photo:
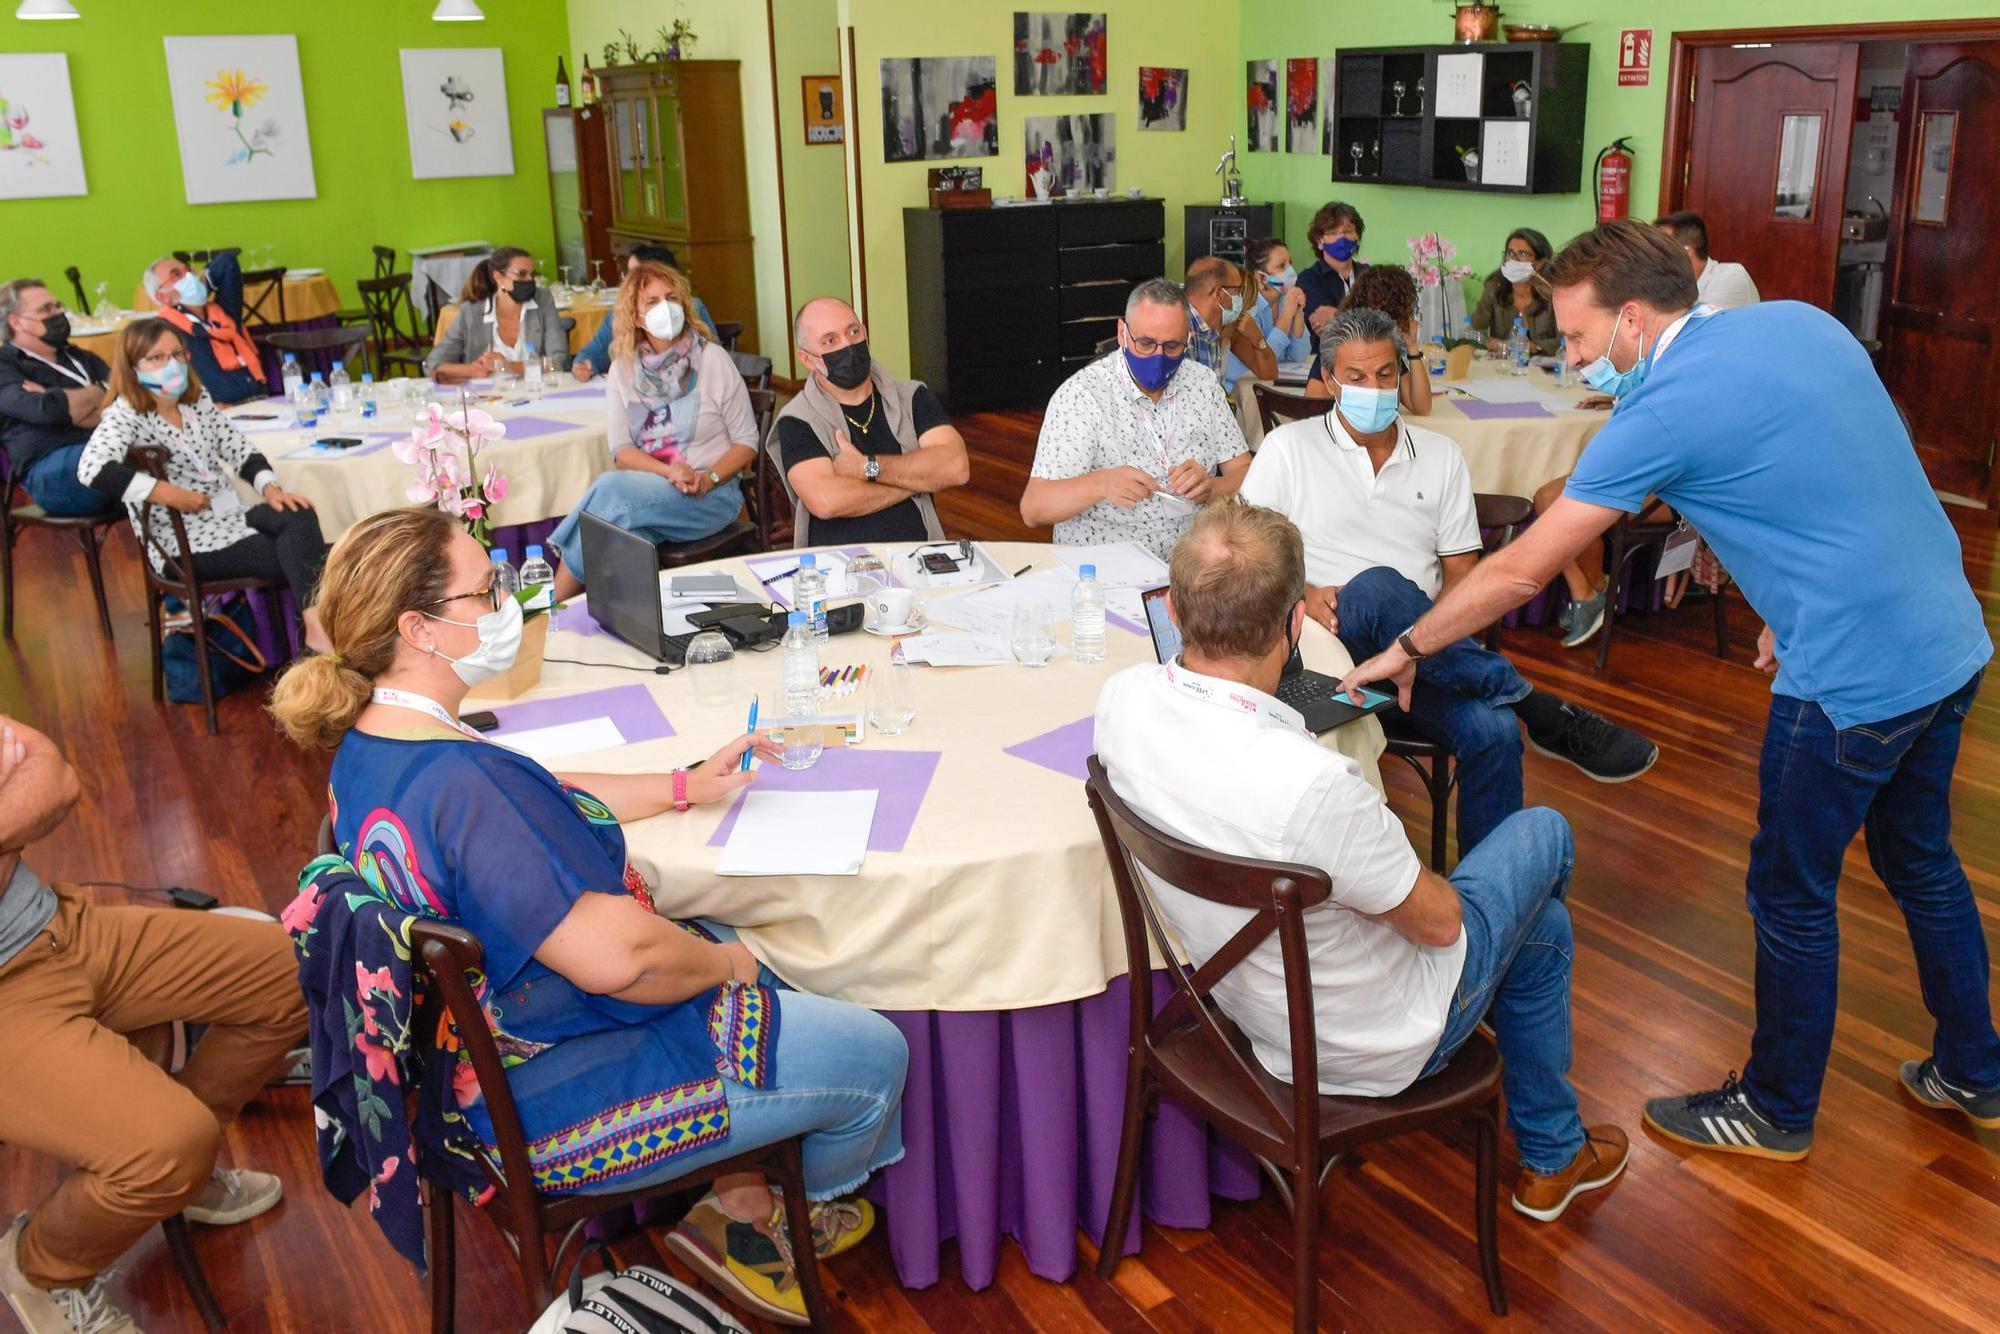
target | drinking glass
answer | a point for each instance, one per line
(1033, 638)
(597, 275)
(1398, 88)
(706, 661)
(800, 742)
(892, 698)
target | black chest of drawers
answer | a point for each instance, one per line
(1005, 303)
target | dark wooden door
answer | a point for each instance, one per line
(593, 168)
(1767, 166)
(1940, 327)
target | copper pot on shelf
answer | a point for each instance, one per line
(1477, 22)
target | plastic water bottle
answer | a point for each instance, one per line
(1562, 365)
(538, 574)
(305, 409)
(1465, 334)
(1086, 616)
(505, 577)
(801, 745)
(319, 396)
(531, 370)
(809, 595)
(294, 377)
(342, 389)
(371, 406)
(1517, 349)
(1435, 355)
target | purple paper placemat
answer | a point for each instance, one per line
(1113, 618)
(900, 778)
(527, 428)
(575, 617)
(1479, 410)
(596, 392)
(1063, 750)
(631, 709)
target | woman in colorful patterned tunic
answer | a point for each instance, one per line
(637, 1046)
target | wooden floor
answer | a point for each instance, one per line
(1893, 1223)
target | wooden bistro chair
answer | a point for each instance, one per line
(323, 347)
(1632, 534)
(1275, 407)
(1191, 1052)
(264, 302)
(727, 332)
(756, 370)
(392, 317)
(385, 260)
(769, 509)
(178, 579)
(88, 531)
(527, 1218)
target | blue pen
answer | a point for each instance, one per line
(751, 728)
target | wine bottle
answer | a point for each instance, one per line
(562, 83)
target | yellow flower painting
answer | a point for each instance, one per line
(233, 91)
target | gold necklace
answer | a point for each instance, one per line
(874, 402)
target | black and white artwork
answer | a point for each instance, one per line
(939, 107)
(1058, 53)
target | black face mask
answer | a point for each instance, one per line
(523, 291)
(55, 329)
(847, 367)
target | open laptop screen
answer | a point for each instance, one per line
(624, 584)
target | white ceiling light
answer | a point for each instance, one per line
(46, 9)
(457, 11)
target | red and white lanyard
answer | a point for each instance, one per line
(1236, 698)
(403, 699)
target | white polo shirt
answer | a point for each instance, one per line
(1230, 768)
(1725, 285)
(1416, 510)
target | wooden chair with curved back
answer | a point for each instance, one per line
(263, 302)
(88, 531)
(1192, 1052)
(1275, 407)
(392, 317)
(1631, 535)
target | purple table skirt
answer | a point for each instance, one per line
(1011, 1122)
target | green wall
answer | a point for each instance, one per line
(816, 243)
(1197, 35)
(1478, 224)
(136, 207)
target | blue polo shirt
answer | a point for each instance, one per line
(1768, 429)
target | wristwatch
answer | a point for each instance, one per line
(713, 478)
(872, 469)
(1409, 646)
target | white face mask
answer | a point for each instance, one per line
(499, 643)
(1517, 270)
(665, 320)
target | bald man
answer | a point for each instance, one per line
(862, 453)
(1223, 334)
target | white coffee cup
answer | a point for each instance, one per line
(890, 607)
(1102, 192)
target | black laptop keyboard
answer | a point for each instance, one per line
(1302, 689)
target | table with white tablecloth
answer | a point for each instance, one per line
(989, 933)
(588, 310)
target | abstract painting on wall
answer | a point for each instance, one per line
(1302, 106)
(1261, 96)
(1058, 53)
(1327, 123)
(40, 154)
(1073, 155)
(455, 107)
(240, 112)
(1162, 98)
(939, 106)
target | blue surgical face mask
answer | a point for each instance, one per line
(171, 379)
(1151, 373)
(1367, 410)
(1605, 378)
(1341, 249)
(1234, 310)
(192, 289)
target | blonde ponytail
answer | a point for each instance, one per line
(387, 564)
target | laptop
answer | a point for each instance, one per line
(625, 590)
(1316, 696)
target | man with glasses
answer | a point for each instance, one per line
(1220, 336)
(208, 310)
(50, 398)
(1133, 444)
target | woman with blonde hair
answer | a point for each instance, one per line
(608, 1006)
(679, 423)
(156, 399)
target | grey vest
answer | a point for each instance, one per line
(816, 408)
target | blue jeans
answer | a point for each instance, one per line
(51, 481)
(1517, 959)
(840, 1086)
(1816, 786)
(649, 505)
(1461, 697)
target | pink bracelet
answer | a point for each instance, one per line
(680, 789)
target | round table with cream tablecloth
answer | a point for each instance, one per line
(991, 937)
(588, 311)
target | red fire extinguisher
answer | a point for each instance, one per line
(1613, 174)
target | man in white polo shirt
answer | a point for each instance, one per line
(1389, 522)
(1135, 442)
(1405, 963)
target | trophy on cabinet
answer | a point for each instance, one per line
(1232, 180)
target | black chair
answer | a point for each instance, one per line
(75, 276)
(1277, 406)
(727, 332)
(1632, 534)
(194, 257)
(263, 302)
(392, 320)
(385, 260)
(766, 495)
(88, 531)
(1194, 1054)
(1500, 519)
(738, 539)
(526, 1218)
(164, 532)
(756, 370)
(344, 343)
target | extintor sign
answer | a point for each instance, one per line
(1635, 57)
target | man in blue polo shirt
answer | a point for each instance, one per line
(1767, 429)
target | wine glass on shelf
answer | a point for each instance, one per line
(1420, 97)
(1378, 157)
(1354, 151)
(568, 286)
(1398, 88)
(104, 310)
(597, 276)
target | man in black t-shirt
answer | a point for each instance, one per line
(862, 452)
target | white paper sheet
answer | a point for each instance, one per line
(1503, 156)
(1126, 602)
(251, 424)
(982, 569)
(1457, 93)
(1119, 564)
(799, 833)
(831, 563)
(944, 649)
(1522, 390)
(989, 611)
(543, 744)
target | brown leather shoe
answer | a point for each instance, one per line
(1596, 1164)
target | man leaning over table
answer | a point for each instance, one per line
(50, 398)
(1798, 472)
(1135, 442)
(1405, 963)
(595, 359)
(208, 310)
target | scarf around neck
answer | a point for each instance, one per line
(666, 399)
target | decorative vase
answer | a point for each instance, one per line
(526, 673)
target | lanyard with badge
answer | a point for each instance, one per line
(1162, 442)
(1253, 704)
(63, 368)
(404, 699)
